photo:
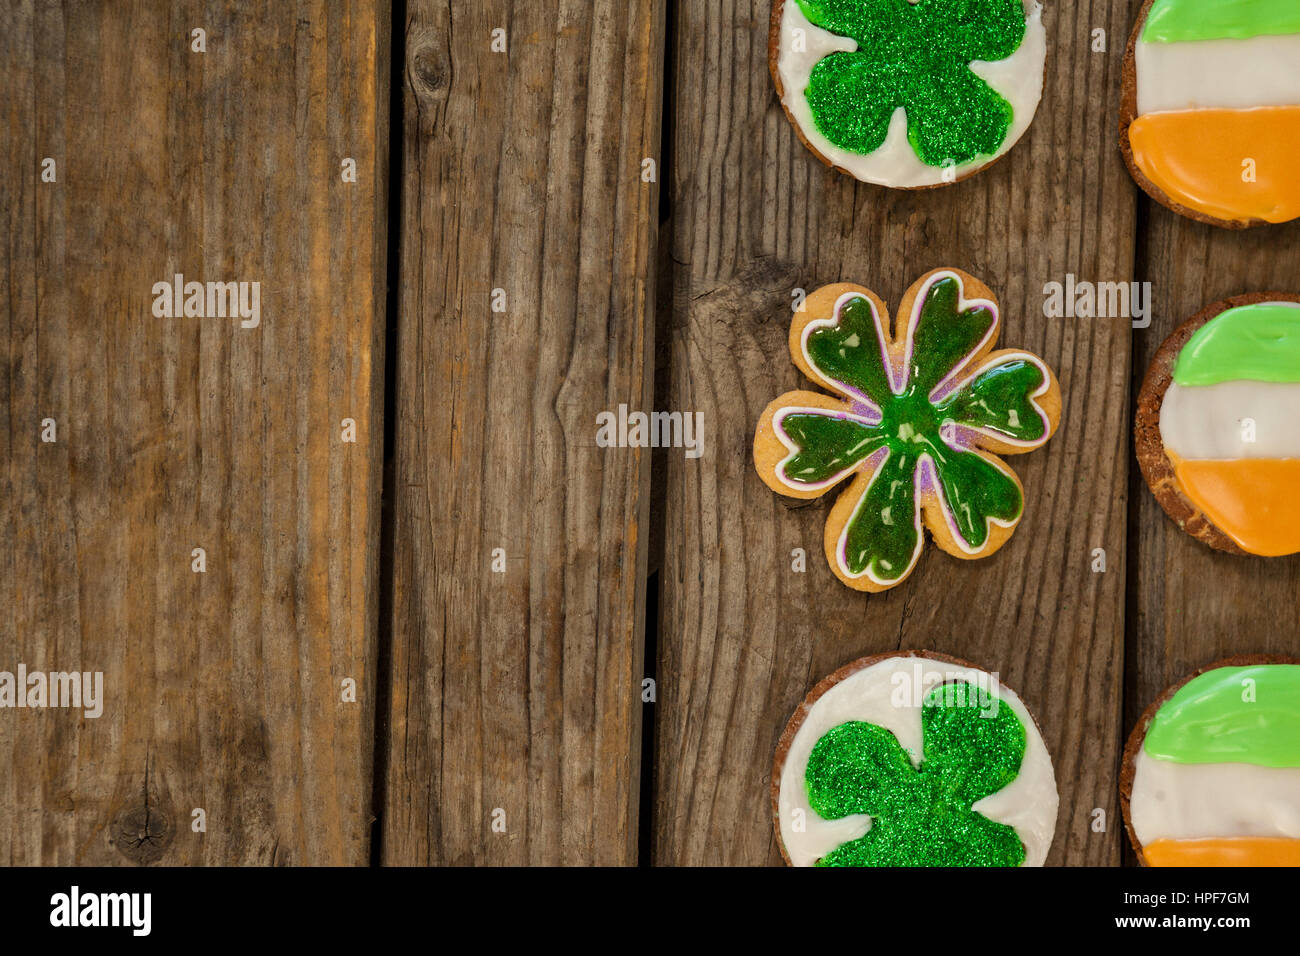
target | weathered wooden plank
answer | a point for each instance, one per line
(222, 689)
(744, 637)
(1191, 605)
(516, 691)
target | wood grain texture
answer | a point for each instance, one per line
(1191, 605)
(519, 691)
(222, 689)
(743, 637)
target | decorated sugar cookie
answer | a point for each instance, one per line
(1218, 425)
(908, 94)
(913, 759)
(1210, 116)
(914, 428)
(1211, 773)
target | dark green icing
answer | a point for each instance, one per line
(975, 491)
(881, 535)
(945, 335)
(972, 747)
(999, 400)
(850, 352)
(827, 445)
(916, 56)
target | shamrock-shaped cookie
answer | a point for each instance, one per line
(916, 426)
(908, 93)
(922, 816)
(913, 758)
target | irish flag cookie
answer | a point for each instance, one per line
(1210, 118)
(914, 429)
(1218, 425)
(1211, 773)
(913, 759)
(908, 93)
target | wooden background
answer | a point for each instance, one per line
(495, 585)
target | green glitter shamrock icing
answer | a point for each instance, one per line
(922, 414)
(921, 816)
(917, 56)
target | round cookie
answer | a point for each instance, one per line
(1211, 772)
(915, 428)
(1218, 425)
(913, 758)
(1210, 108)
(861, 82)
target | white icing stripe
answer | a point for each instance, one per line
(1218, 74)
(1180, 801)
(888, 694)
(1232, 420)
(1018, 78)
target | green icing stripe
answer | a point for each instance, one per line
(1182, 21)
(1256, 342)
(1232, 715)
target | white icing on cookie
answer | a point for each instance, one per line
(1180, 801)
(1018, 78)
(889, 694)
(1220, 421)
(1218, 74)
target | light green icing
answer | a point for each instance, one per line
(1260, 343)
(1182, 21)
(1231, 715)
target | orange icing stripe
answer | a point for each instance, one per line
(1224, 851)
(1255, 501)
(1196, 156)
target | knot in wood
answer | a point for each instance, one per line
(428, 70)
(143, 832)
